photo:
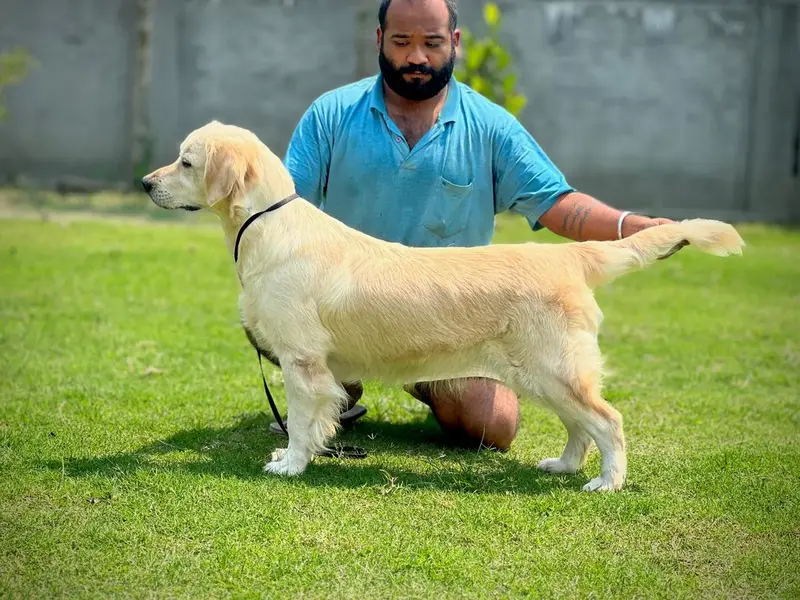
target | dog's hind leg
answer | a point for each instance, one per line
(573, 391)
(587, 416)
(314, 400)
(575, 452)
(604, 423)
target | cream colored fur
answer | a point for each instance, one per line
(336, 305)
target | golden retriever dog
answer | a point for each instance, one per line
(332, 304)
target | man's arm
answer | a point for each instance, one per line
(580, 217)
(528, 182)
(308, 156)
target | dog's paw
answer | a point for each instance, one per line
(278, 454)
(282, 467)
(555, 465)
(283, 464)
(603, 484)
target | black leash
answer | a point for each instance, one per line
(274, 408)
(339, 451)
(253, 217)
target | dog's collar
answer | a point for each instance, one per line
(253, 217)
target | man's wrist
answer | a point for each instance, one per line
(621, 221)
(634, 223)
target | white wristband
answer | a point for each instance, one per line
(619, 223)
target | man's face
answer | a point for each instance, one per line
(417, 51)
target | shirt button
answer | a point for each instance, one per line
(398, 139)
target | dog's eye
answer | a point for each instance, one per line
(186, 163)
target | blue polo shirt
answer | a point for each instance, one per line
(349, 158)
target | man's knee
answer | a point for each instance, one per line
(474, 411)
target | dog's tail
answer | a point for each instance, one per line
(605, 261)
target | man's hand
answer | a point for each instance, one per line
(580, 217)
(634, 223)
(639, 223)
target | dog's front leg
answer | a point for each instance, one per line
(314, 400)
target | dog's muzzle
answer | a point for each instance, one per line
(152, 191)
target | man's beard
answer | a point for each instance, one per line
(416, 89)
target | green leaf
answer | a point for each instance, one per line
(14, 67)
(478, 84)
(509, 81)
(476, 56)
(503, 58)
(514, 104)
(491, 14)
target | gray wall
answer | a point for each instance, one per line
(680, 108)
(71, 114)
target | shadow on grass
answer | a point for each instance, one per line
(426, 459)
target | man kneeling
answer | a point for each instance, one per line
(413, 156)
(473, 412)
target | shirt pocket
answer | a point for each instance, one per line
(448, 213)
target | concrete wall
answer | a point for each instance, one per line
(71, 114)
(679, 108)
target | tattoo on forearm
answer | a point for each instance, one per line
(572, 220)
(586, 213)
(567, 215)
(575, 217)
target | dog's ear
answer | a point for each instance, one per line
(229, 171)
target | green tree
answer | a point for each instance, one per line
(14, 66)
(486, 65)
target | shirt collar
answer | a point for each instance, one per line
(450, 109)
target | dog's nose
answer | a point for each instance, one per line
(147, 185)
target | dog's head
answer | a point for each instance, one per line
(217, 165)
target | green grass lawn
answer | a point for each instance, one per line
(133, 429)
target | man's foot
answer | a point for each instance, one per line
(349, 416)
